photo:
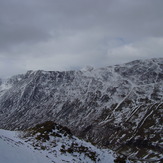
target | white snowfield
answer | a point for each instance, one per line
(16, 150)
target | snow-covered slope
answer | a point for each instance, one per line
(15, 150)
(118, 107)
(6, 84)
(48, 143)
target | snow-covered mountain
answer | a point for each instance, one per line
(48, 143)
(118, 107)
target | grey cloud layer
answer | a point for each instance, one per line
(61, 34)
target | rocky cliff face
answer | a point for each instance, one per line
(119, 107)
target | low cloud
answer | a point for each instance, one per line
(61, 35)
(147, 48)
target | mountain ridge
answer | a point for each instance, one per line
(113, 107)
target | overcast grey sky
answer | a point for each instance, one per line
(71, 34)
